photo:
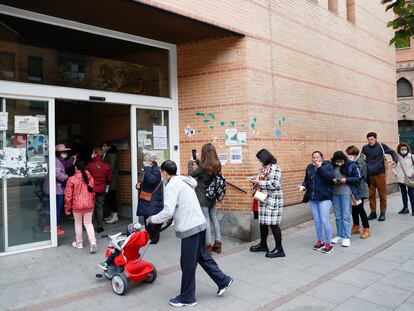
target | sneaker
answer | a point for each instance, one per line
(77, 245)
(60, 231)
(404, 211)
(221, 291)
(346, 242)
(176, 303)
(94, 248)
(327, 249)
(382, 217)
(319, 246)
(113, 219)
(372, 216)
(336, 240)
(103, 265)
(109, 217)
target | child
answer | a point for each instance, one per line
(132, 228)
(80, 197)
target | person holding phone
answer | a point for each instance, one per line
(318, 184)
(346, 189)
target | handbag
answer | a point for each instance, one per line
(305, 197)
(146, 196)
(260, 196)
(408, 181)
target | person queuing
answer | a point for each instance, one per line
(80, 198)
(358, 210)
(102, 176)
(375, 152)
(181, 204)
(318, 187)
(151, 204)
(346, 184)
(404, 170)
(270, 209)
(110, 157)
(208, 167)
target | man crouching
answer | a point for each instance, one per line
(181, 204)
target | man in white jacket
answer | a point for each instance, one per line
(181, 204)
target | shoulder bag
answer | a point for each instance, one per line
(146, 196)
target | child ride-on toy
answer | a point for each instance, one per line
(128, 266)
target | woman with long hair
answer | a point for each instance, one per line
(318, 187)
(346, 184)
(271, 208)
(80, 198)
(208, 167)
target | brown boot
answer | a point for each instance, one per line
(209, 248)
(355, 230)
(366, 233)
(217, 247)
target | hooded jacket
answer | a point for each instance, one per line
(77, 196)
(181, 204)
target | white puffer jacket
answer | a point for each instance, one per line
(408, 164)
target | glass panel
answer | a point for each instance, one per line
(24, 168)
(36, 52)
(152, 135)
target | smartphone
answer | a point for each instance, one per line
(338, 180)
(194, 154)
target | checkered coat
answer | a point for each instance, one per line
(270, 211)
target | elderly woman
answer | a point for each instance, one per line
(150, 195)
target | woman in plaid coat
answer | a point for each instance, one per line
(271, 209)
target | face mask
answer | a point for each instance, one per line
(340, 163)
(145, 163)
(352, 158)
(64, 155)
(403, 152)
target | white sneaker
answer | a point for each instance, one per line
(77, 245)
(94, 248)
(109, 217)
(346, 242)
(113, 219)
(336, 240)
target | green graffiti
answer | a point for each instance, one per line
(212, 115)
(233, 123)
(222, 123)
(211, 126)
(252, 126)
(206, 120)
(254, 120)
(200, 114)
(242, 124)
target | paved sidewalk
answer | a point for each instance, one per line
(374, 274)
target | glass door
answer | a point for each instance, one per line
(150, 133)
(25, 214)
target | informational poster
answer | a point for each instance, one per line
(147, 142)
(223, 158)
(159, 131)
(36, 145)
(242, 138)
(13, 162)
(142, 135)
(17, 141)
(236, 156)
(4, 120)
(160, 143)
(36, 169)
(231, 137)
(26, 125)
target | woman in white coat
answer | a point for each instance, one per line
(405, 168)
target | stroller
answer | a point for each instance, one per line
(128, 266)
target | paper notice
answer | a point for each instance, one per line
(223, 158)
(159, 131)
(231, 137)
(4, 120)
(26, 125)
(236, 155)
(160, 143)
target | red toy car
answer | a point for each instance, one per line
(128, 265)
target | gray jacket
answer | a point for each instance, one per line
(362, 166)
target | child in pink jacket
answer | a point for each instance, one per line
(80, 197)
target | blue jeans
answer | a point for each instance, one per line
(404, 191)
(210, 213)
(321, 212)
(60, 200)
(343, 210)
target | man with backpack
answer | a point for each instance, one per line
(375, 152)
(181, 204)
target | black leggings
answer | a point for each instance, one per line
(358, 211)
(277, 234)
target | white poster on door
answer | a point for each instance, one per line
(159, 131)
(160, 143)
(4, 120)
(26, 125)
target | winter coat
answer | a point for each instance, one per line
(61, 176)
(363, 186)
(270, 211)
(407, 163)
(318, 181)
(353, 179)
(77, 196)
(101, 174)
(111, 158)
(182, 205)
(375, 158)
(152, 179)
(203, 181)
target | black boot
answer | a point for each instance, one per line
(372, 216)
(404, 211)
(277, 252)
(259, 248)
(382, 217)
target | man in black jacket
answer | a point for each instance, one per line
(375, 154)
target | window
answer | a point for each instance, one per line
(333, 6)
(34, 69)
(404, 88)
(350, 11)
(7, 66)
(403, 45)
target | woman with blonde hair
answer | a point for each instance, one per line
(208, 167)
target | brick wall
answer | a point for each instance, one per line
(309, 77)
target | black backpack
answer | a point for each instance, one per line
(217, 188)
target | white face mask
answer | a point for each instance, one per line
(64, 155)
(352, 158)
(145, 163)
(403, 152)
